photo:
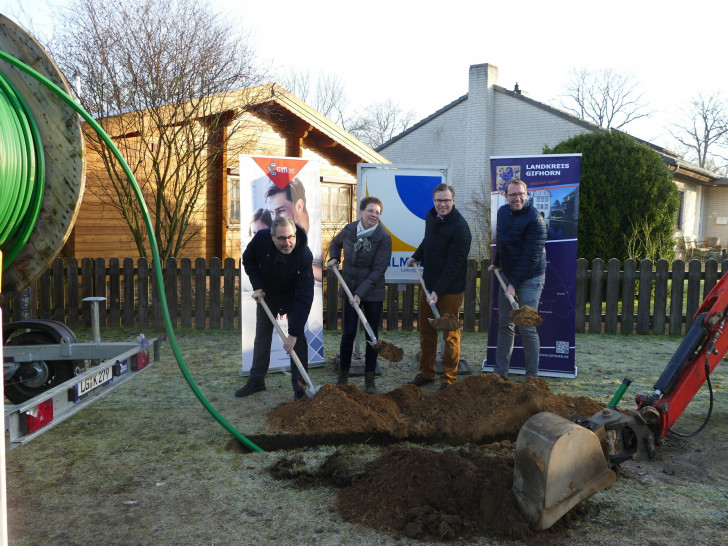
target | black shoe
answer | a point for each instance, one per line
(420, 381)
(298, 395)
(443, 386)
(250, 388)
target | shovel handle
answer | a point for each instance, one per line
(282, 335)
(359, 312)
(427, 293)
(505, 288)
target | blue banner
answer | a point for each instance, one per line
(553, 189)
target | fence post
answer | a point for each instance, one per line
(129, 300)
(694, 278)
(170, 289)
(228, 307)
(392, 307)
(186, 292)
(200, 293)
(87, 290)
(100, 287)
(408, 307)
(470, 298)
(659, 313)
(628, 280)
(595, 297)
(711, 276)
(612, 299)
(114, 293)
(143, 291)
(215, 292)
(676, 297)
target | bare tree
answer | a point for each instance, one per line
(328, 96)
(605, 97)
(161, 76)
(705, 128)
(380, 122)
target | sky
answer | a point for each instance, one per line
(418, 53)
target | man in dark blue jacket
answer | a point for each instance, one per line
(443, 253)
(278, 263)
(520, 253)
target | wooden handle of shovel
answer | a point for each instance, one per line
(505, 288)
(282, 335)
(427, 293)
(359, 312)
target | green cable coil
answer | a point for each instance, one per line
(21, 192)
(22, 171)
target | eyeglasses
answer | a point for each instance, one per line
(372, 212)
(514, 195)
(282, 239)
(442, 201)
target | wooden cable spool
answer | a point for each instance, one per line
(60, 129)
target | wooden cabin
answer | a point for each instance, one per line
(276, 123)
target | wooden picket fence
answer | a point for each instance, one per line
(616, 297)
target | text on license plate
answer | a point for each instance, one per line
(96, 380)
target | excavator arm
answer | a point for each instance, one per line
(561, 462)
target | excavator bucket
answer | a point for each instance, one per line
(558, 465)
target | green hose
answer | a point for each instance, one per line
(152, 241)
(22, 171)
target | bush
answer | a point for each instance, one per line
(627, 199)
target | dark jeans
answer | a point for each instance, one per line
(261, 352)
(373, 312)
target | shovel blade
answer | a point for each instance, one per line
(558, 465)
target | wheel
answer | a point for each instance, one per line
(32, 379)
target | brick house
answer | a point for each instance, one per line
(493, 121)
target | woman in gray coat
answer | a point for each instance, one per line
(367, 251)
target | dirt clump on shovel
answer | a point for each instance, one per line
(525, 316)
(446, 323)
(440, 493)
(388, 351)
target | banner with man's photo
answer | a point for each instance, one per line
(553, 189)
(272, 187)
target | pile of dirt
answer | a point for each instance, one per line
(419, 493)
(480, 409)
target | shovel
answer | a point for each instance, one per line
(521, 316)
(387, 350)
(310, 389)
(447, 323)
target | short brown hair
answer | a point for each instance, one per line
(368, 201)
(443, 187)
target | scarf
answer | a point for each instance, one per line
(363, 242)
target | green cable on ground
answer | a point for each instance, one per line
(22, 171)
(152, 242)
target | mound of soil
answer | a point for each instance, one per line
(423, 493)
(480, 409)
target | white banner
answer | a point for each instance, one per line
(281, 186)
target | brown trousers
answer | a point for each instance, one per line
(446, 304)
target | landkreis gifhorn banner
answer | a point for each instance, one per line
(553, 189)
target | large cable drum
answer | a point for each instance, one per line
(60, 131)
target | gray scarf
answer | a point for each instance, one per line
(363, 242)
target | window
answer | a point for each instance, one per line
(234, 199)
(335, 203)
(679, 219)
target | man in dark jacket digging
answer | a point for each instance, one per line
(444, 255)
(520, 253)
(278, 263)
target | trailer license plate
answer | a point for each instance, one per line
(96, 380)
